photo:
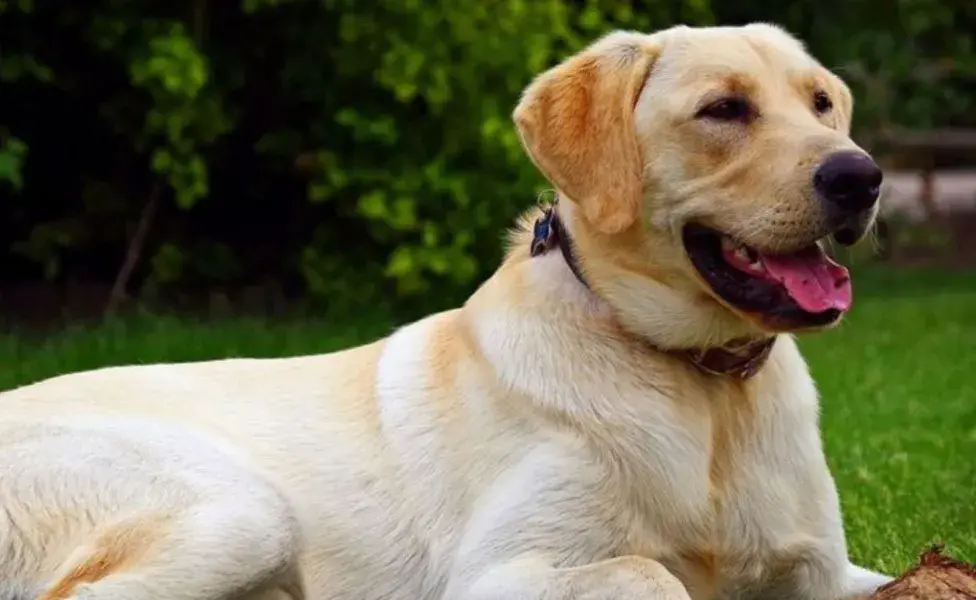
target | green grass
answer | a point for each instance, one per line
(898, 386)
(898, 381)
(29, 357)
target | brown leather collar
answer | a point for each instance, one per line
(740, 359)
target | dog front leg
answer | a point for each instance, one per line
(860, 583)
(624, 578)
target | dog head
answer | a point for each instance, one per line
(704, 167)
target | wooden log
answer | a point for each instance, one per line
(938, 140)
(935, 577)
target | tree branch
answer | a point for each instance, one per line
(133, 252)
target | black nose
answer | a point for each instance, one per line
(849, 181)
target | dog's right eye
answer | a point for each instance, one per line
(727, 109)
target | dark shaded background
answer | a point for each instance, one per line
(337, 155)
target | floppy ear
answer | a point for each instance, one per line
(576, 122)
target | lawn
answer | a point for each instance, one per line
(898, 381)
(898, 386)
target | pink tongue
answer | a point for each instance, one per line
(815, 282)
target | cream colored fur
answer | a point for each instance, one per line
(530, 445)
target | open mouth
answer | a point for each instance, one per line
(800, 289)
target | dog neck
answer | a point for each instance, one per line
(740, 358)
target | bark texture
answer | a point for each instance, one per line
(935, 577)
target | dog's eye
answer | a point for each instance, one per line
(822, 103)
(727, 109)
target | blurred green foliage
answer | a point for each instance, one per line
(344, 151)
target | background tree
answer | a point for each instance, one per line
(339, 152)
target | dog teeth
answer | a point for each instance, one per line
(728, 245)
(755, 262)
(743, 254)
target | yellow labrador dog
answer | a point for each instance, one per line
(619, 412)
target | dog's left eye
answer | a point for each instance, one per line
(822, 103)
(728, 109)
